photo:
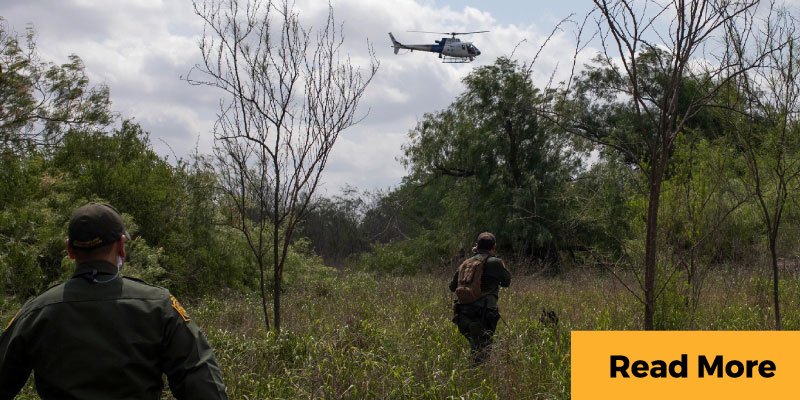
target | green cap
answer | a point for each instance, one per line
(94, 225)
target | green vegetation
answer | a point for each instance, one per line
(355, 335)
(573, 202)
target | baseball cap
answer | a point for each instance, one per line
(485, 241)
(94, 225)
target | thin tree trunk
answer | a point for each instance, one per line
(774, 255)
(276, 301)
(651, 244)
(264, 297)
(650, 257)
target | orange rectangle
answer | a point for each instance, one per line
(685, 364)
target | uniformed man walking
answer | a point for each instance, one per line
(478, 319)
(102, 336)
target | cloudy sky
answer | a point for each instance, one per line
(142, 48)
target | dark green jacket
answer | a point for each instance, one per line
(87, 340)
(494, 275)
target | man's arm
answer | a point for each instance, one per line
(505, 276)
(14, 365)
(189, 360)
(454, 282)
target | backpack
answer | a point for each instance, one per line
(469, 280)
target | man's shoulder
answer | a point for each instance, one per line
(53, 294)
(473, 257)
(138, 287)
(495, 261)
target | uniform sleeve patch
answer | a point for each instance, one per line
(179, 308)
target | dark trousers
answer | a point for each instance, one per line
(477, 323)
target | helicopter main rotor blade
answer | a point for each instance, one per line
(450, 33)
(441, 33)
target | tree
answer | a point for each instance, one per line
(767, 127)
(697, 201)
(122, 168)
(504, 164)
(40, 101)
(649, 53)
(333, 226)
(289, 96)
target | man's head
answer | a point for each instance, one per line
(486, 241)
(96, 232)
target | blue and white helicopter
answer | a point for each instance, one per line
(451, 50)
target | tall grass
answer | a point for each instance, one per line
(354, 335)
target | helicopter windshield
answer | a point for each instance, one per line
(473, 50)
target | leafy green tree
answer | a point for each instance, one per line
(123, 169)
(57, 152)
(406, 212)
(40, 101)
(503, 166)
(417, 227)
(600, 220)
(333, 226)
(647, 57)
(31, 223)
(699, 201)
(175, 207)
(171, 211)
(767, 127)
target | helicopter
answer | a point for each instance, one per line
(451, 50)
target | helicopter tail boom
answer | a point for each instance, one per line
(420, 47)
(395, 43)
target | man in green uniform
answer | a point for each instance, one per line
(477, 321)
(102, 336)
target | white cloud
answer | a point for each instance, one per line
(140, 49)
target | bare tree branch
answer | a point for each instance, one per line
(290, 93)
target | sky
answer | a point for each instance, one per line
(141, 49)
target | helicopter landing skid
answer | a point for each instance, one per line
(455, 60)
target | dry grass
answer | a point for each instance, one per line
(356, 335)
